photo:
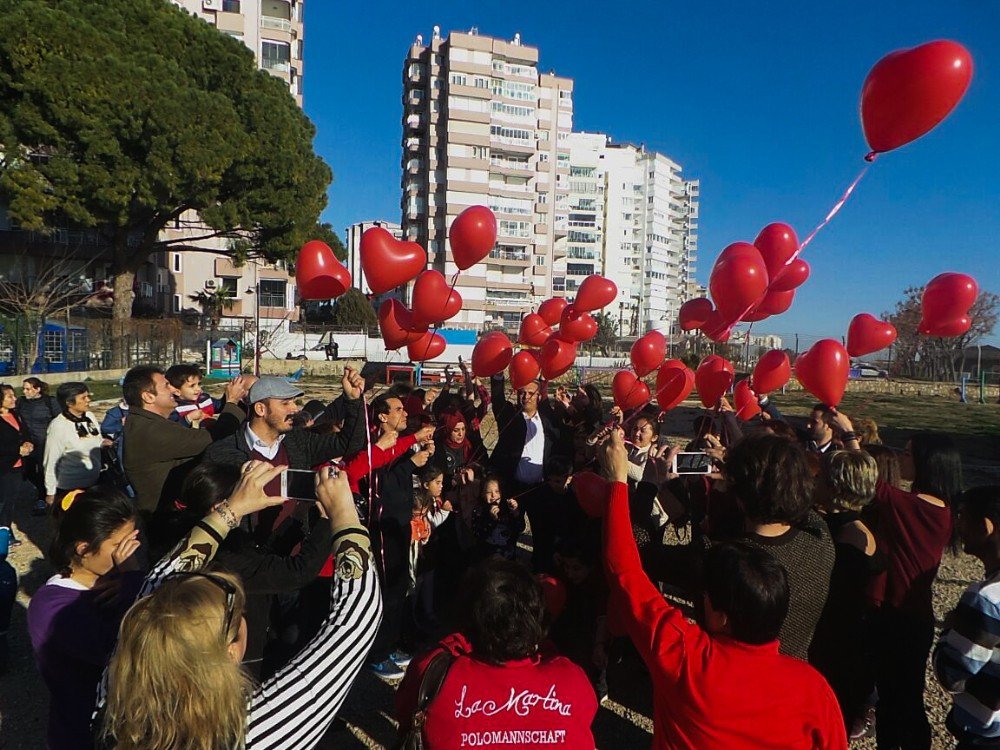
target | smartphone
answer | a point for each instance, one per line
(692, 463)
(299, 484)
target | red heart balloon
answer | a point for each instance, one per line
(947, 328)
(738, 280)
(777, 243)
(775, 302)
(556, 357)
(592, 492)
(713, 378)
(771, 372)
(755, 314)
(792, 277)
(434, 300)
(472, 236)
(694, 313)
(716, 328)
(523, 369)
(492, 353)
(629, 391)
(594, 293)
(867, 334)
(947, 298)
(576, 326)
(388, 262)
(647, 353)
(429, 346)
(397, 325)
(551, 310)
(674, 383)
(534, 331)
(318, 273)
(745, 401)
(823, 370)
(910, 91)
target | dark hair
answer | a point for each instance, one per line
(821, 407)
(750, 587)
(771, 478)
(574, 548)
(67, 392)
(781, 428)
(137, 381)
(7, 387)
(206, 485)
(559, 466)
(981, 502)
(398, 390)
(593, 412)
(888, 463)
(41, 385)
(505, 616)
(418, 392)
(177, 375)
(937, 465)
(381, 406)
(429, 473)
(94, 515)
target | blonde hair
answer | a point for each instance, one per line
(852, 476)
(172, 682)
(867, 431)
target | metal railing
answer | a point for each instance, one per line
(270, 22)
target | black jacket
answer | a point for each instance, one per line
(10, 443)
(513, 430)
(36, 413)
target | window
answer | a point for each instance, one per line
(177, 303)
(514, 228)
(272, 293)
(53, 344)
(230, 6)
(230, 287)
(275, 55)
(458, 79)
(481, 83)
(540, 260)
(177, 262)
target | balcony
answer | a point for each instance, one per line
(278, 24)
(507, 301)
(509, 257)
(276, 66)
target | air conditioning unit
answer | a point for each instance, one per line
(210, 283)
(211, 4)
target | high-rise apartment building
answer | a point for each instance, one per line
(353, 244)
(633, 219)
(482, 126)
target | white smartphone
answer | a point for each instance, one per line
(299, 484)
(692, 463)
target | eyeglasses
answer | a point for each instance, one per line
(86, 428)
(227, 588)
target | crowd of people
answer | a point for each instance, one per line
(776, 594)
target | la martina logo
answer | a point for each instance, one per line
(521, 703)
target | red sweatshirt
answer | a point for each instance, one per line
(712, 691)
(532, 703)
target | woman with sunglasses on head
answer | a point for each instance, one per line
(72, 444)
(175, 680)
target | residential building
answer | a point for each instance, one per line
(353, 240)
(633, 219)
(482, 126)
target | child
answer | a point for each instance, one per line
(496, 523)
(429, 512)
(194, 406)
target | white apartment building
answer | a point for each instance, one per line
(633, 219)
(482, 126)
(353, 242)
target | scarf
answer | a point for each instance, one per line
(449, 422)
(84, 425)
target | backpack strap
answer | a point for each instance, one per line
(430, 685)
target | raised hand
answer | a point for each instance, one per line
(249, 495)
(352, 383)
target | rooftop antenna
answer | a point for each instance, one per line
(420, 38)
(517, 38)
(437, 32)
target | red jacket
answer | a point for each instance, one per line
(544, 700)
(712, 691)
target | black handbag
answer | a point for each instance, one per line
(430, 686)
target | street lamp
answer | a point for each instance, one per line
(255, 291)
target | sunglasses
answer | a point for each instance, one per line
(227, 588)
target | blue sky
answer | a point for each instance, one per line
(757, 100)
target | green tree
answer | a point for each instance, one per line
(354, 310)
(324, 231)
(128, 115)
(607, 332)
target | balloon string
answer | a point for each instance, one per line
(451, 290)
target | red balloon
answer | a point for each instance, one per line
(867, 334)
(592, 492)
(713, 378)
(397, 325)
(429, 346)
(472, 236)
(523, 369)
(947, 328)
(433, 299)
(947, 299)
(771, 372)
(534, 331)
(594, 293)
(823, 370)
(647, 353)
(553, 594)
(745, 401)
(716, 328)
(738, 280)
(551, 310)
(910, 91)
(694, 313)
(556, 357)
(755, 314)
(792, 277)
(577, 326)
(775, 302)
(629, 391)
(318, 273)
(388, 262)
(674, 383)
(777, 243)
(492, 353)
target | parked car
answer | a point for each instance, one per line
(866, 370)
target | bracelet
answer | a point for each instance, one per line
(848, 436)
(227, 514)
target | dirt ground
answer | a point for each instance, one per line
(24, 701)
